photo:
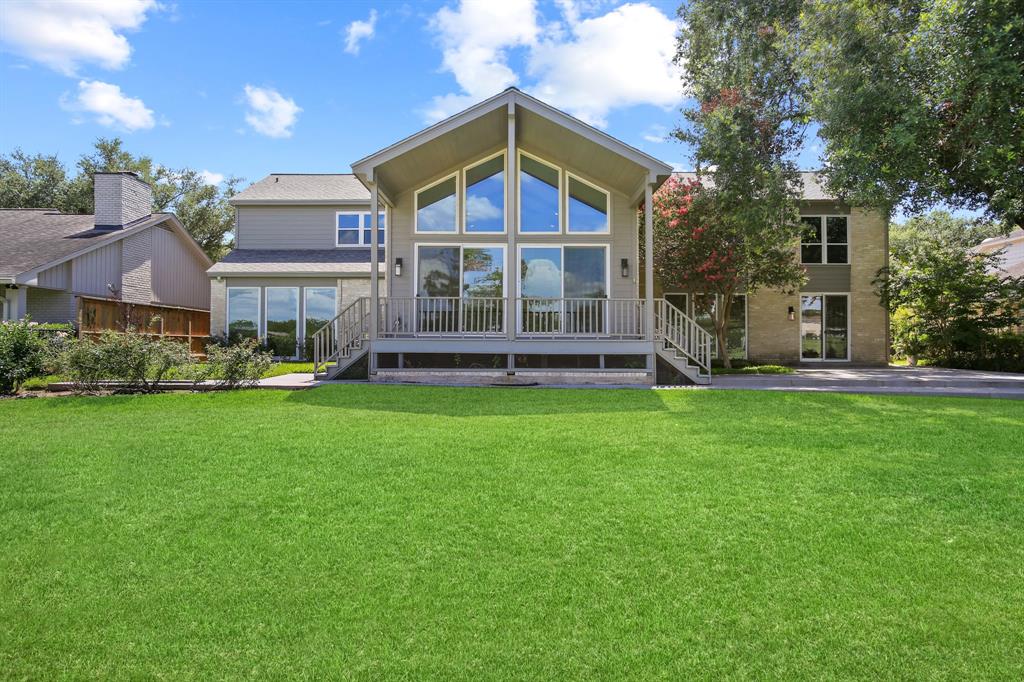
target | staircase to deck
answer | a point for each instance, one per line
(343, 341)
(681, 342)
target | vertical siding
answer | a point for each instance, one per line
(93, 271)
(45, 305)
(137, 266)
(57, 277)
(179, 277)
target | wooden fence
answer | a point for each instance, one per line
(187, 325)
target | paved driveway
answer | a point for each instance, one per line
(901, 380)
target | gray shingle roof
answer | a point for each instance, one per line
(814, 185)
(294, 261)
(286, 188)
(30, 238)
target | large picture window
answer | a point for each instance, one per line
(539, 196)
(355, 228)
(436, 206)
(243, 313)
(485, 196)
(824, 240)
(563, 289)
(282, 321)
(320, 307)
(824, 327)
(588, 207)
(460, 289)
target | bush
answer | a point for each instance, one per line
(236, 365)
(23, 354)
(137, 362)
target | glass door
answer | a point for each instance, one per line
(824, 327)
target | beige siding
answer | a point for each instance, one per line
(289, 227)
(137, 268)
(179, 277)
(827, 278)
(57, 277)
(92, 272)
(46, 305)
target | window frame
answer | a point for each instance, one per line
(416, 205)
(800, 323)
(824, 243)
(520, 153)
(259, 309)
(368, 213)
(465, 197)
(568, 217)
(461, 246)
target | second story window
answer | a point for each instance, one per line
(355, 228)
(824, 240)
(588, 207)
(539, 196)
(435, 206)
(485, 196)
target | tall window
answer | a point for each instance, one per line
(588, 207)
(460, 288)
(824, 327)
(243, 313)
(485, 196)
(282, 320)
(436, 206)
(577, 273)
(539, 196)
(355, 228)
(824, 240)
(320, 308)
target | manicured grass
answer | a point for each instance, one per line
(276, 369)
(415, 532)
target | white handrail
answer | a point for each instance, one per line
(681, 332)
(342, 335)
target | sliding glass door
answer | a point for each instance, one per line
(563, 289)
(824, 327)
(460, 289)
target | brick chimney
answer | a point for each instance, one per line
(121, 198)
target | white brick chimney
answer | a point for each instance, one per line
(120, 199)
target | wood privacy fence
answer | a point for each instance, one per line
(187, 325)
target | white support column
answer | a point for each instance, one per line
(649, 259)
(374, 265)
(512, 261)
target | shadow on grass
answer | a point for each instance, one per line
(480, 401)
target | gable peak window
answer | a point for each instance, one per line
(436, 206)
(485, 196)
(540, 191)
(587, 207)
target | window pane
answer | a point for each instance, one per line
(282, 320)
(435, 208)
(243, 313)
(485, 196)
(837, 254)
(320, 308)
(812, 229)
(588, 208)
(836, 229)
(538, 196)
(585, 274)
(810, 327)
(679, 301)
(736, 331)
(482, 272)
(810, 253)
(348, 236)
(348, 221)
(541, 272)
(837, 334)
(438, 271)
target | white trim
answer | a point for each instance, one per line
(461, 246)
(368, 213)
(608, 206)
(519, 194)
(849, 326)
(298, 306)
(416, 205)
(824, 243)
(227, 309)
(465, 195)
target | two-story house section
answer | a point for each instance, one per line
(509, 251)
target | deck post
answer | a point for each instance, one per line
(648, 262)
(374, 263)
(512, 265)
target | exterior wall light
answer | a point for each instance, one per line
(625, 267)
(398, 267)
(792, 313)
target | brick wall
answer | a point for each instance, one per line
(120, 198)
(869, 326)
(48, 305)
(137, 268)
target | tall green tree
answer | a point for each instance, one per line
(746, 125)
(919, 101)
(40, 181)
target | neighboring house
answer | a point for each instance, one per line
(534, 279)
(1012, 248)
(48, 260)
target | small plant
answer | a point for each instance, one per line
(136, 362)
(234, 366)
(23, 354)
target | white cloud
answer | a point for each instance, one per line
(270, 113)
(211, 178)
(656, 134)
(587, 66)
(358, 31)
(475, 39)
(110, 106)
(65, 34)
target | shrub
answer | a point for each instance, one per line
(23, 354)
(137, 362)
(236, 365)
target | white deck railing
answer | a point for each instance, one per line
(448, 316)
(612, 318)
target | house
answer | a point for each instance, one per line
(503, 244)
(50, 260)
(1011, 247)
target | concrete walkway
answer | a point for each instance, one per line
(894, 380)
(290, 382)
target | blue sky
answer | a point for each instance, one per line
(249, 89)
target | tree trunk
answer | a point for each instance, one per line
(722, 313)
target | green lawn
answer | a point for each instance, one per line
(415, 532)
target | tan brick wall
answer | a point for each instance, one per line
(869, 326)
(771, 336)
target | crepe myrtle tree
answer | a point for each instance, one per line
(698, 250)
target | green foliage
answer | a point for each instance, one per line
(741, 227)
(919, 102)
(754, 369)
(137, 363)
(236, 365)
(946, 302)
(41, 181)
(23, 354)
